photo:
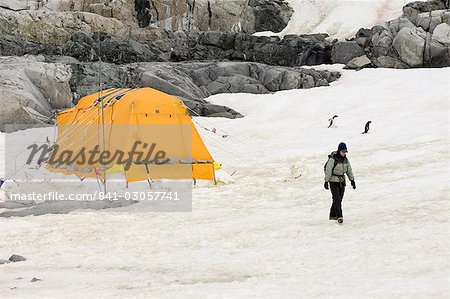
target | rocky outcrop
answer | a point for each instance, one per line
(345, 51)
(415, 40)
(414, 43)
(55, 28)
(247, 16)
(14, 46)
(203, 15)
(292, 50)
(33, 88)
(109, 48)
(195, 81)
(30, 90)
(148, 43)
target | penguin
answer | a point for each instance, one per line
(366, 129)
(331, 120)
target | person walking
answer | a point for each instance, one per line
(335, 169)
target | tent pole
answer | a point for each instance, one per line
(148, 176)
(104, 146)
(103, 109)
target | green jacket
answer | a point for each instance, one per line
(342, 167)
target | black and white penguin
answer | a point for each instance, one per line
(331, 120)
(366, 129)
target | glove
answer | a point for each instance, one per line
(353, 184)
(326, 185)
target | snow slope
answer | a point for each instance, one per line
(268, 234)
(339, 18)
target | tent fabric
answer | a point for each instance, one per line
(141, 116)
(203, 171)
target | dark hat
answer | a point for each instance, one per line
(342, 147)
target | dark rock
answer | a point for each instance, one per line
(411, 10)
(169, 33)
(271, 15)
(418, 41)
(379, 42)
(437, 51)
(292, 50)
(235, 84)
(219, 111)
(16, 258)
(195, 108)
(315, 54)
(389, 62)
(111, 48)
(180, 34)
(34, 279)
(143, 8)
(11, 46)
(195, 81)
(4, 262)
(228, 42)
(343, 52)
(117, 49)
(81, 46)
(396, 25)
(14, 46)
(316, 37)
(361, 41)
(88, 77)
(39, 49)
(212, 38)
(364, 32)
(170, 80)
(359, 62)
(283, 55)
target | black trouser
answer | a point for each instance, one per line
(337, 191)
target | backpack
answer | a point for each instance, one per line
(325, 165)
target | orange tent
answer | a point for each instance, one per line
(142, 132)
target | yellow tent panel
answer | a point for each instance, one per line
(142, 132)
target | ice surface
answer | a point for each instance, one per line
(267, 235)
